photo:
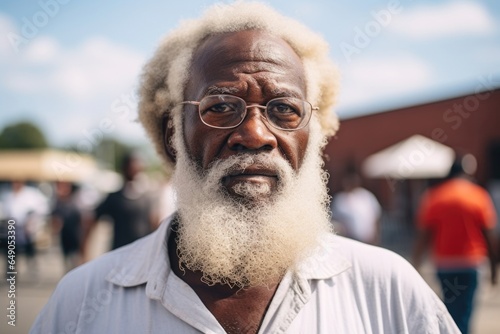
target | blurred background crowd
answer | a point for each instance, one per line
(54, 205)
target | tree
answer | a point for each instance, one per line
(110, 152)
(22, 136)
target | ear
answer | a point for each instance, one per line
(168, 135)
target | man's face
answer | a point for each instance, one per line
(133, 167)
(256, 67)
(264, 227)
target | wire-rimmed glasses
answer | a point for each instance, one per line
(228, 111)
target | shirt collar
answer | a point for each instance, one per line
(147, 262)
(144, 258)
(325, 262)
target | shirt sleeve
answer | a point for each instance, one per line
(103, 208)
(422, 309)
(487, 212)
(61, 313)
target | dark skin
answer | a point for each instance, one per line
(237, 310)
(256, 67)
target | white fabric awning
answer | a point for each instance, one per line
(416, 157)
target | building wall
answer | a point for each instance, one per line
(468, 124)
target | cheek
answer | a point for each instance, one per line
(294, 145)
(191, 133)
(203, 144)
(302, 143)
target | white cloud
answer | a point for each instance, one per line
(96, 66)
(370, 81)
(93, 69)
(436, 21)
(77, 84)
(42, 50)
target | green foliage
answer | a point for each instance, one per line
(111, 152)
(22, 136)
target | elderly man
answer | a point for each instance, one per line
(239, 105)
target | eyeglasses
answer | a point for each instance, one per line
(228, 111)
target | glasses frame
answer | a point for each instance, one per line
(253, 105)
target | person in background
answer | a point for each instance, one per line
(28, 207)
(456, 219)
(239, 104)
(356, 210)
(67, 221)
(130, 208)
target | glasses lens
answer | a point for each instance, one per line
(288, 112)
(223, 111)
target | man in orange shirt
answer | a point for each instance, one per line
(456, 218)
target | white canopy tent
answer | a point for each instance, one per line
(416, 157)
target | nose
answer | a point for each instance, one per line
(252, 134)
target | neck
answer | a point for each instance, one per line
(238, 310)
(194, 278)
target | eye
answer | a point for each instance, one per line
(283, 108)
(286, 107)
(220, 108)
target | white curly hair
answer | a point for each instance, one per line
(165, 76)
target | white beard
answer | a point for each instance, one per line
(234, 243)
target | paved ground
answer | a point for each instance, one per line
(32, 293)
(486, 318)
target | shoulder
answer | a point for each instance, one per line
(342, 257)
(90, 278)
(372, 261)
(80, 295)
(389, 287)
(114, 284)
(114, 195)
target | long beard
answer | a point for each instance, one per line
(234, 243)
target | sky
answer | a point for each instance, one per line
(72, 66)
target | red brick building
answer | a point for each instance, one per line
(468, 124)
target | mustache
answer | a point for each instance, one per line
(242, 162)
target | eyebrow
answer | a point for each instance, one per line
(279, 92)
(212, 90)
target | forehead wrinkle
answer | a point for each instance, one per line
(269, 89)
(254, 63)
(259, 57)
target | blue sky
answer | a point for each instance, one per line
(69, 64)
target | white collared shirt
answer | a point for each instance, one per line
(346, 287)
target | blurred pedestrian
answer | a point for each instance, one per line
(356, 210)
(27, 206)
(130, 208)
(456, 219)
(67, 222)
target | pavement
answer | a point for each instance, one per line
(34, 289)
(486, 317)
(35, 286)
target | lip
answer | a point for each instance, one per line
(252, 174)
(254, 178)
(253, 171)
